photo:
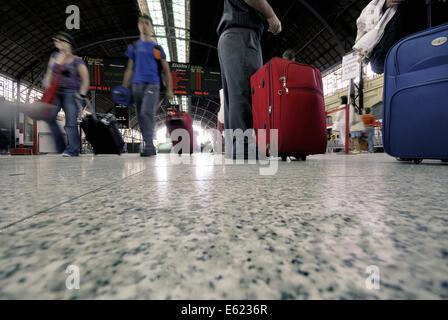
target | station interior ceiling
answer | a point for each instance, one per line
(320, 32)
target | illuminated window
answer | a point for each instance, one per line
(202, 135)
(181, 25)
(156, 13)
(8, 90)
(34, 94)
(183, 102)
(332, 81)
(179, 22)
(369, 74)
(161, 135)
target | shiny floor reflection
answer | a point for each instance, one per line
(154, 228)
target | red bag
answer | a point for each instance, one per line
(44, 109)
(180, 120)
(50, 93)
(288, 96)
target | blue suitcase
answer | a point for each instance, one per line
(415, 97)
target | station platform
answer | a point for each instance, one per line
(148, 228)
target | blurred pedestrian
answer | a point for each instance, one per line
(73, 85)
(369, 123)
(146, 65)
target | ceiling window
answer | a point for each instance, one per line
(180, 25)
(332, 81)
(156, 13)
(179, 22)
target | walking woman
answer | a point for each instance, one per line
(73, 84)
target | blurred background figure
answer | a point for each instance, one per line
(356, 130)
(339, 123)
(369, 123)
(73, 85)
(146, 66)
(289, 55)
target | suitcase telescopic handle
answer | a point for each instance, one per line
(88, 106)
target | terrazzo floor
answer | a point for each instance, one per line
(151, 228)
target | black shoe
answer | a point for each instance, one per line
(148, 153)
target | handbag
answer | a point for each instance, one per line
(44, 109)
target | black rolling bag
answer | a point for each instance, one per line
(102, 133)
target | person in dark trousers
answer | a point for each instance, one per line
(240, 56)
(143, 71)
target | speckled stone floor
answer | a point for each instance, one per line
(148, 228)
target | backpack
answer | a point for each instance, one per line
(158, 57)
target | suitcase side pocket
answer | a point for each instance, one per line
(417, 120)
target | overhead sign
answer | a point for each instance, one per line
(192, 80)
(351, 66)
(180, 73)
(195, 80)
(105, 73)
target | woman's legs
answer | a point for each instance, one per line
(71, 110)
(356, 135)
(370, 134)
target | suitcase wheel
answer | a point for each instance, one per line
(415, 160)
(284, 157)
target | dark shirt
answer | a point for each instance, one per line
(238, 14)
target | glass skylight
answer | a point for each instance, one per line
(181, 23)
(156, 13)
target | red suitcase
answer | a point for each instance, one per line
(180, 120)
(288, 96)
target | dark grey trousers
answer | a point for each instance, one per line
(240, 57)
